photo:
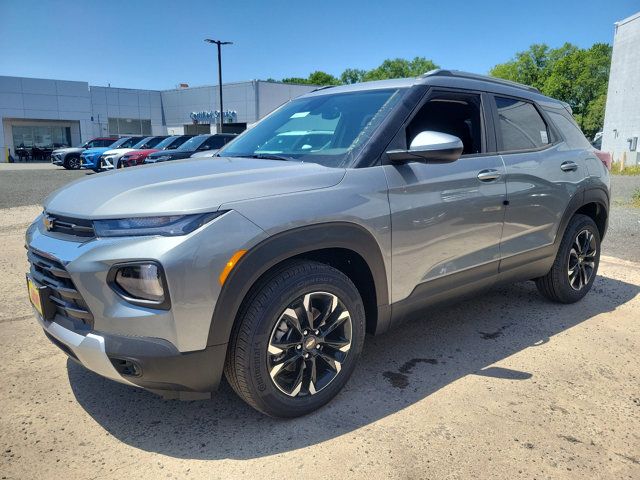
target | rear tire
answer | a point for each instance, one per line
(576, 265)
(283, 362)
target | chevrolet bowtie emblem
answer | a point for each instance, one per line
(48, 222)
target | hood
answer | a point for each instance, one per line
(205, 154)
(188, 186)
(95, 151)
(144, 151)
(171, 154)
(118, 151)
(68, 150)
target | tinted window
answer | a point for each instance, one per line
(215, 142)
(569, 129)
(193, 143)
(452, 113)
(521, 126)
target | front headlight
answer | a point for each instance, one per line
(168, 226)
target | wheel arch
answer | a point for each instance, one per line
(593, 202)
(348, 247)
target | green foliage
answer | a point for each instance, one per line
(298, 80)
(322, 78)
(400, 68)
(571, 74)
(616, 169)
(352, 75)
(390, 68)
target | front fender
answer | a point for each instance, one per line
(289, 244)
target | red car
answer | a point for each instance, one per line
(137, 157)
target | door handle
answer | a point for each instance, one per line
(569, 166)
(488, 175)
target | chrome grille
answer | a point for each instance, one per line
(76, 227)
(46, 270)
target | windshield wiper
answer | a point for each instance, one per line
(270, 156)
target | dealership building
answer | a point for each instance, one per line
(622, 115)
(36, 112)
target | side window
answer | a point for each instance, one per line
(215, 142)
(569, 129)
(452, 113)
(520, 125)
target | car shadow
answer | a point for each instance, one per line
(396, 370)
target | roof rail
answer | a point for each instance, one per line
(439, 72)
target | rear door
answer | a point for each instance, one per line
(542, 176)
(447, 218)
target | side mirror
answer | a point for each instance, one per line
(430, 147)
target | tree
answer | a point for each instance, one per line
(352, 75)
(322, 78)
(390, 68)
(299, 80)
(400, 68)
(571, 74)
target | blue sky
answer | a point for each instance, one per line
(158, 44)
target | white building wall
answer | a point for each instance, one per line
(272, 94)
(43, 100)
(86, 109)
(622, 114)
(109, 102)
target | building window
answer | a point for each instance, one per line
(129, 126)
(40, 136)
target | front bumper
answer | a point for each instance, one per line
(89, 162)
(191, 264)
(150, 363)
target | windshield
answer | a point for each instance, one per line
(143, 142)
(193, 143)
(121, 142)
(165, 143)
(326, 129)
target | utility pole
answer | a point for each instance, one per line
(219, 44)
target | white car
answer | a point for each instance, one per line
(111, 158)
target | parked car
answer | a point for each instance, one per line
(90, 158)
(69, 158)
(137, 157)
(199, 143)
(297, 141)
(270, 267)
(111, 158)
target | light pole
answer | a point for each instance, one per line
(219, 44)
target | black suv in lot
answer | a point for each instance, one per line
(199, 143)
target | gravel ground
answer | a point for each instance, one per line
(506, 386)
(29, 183)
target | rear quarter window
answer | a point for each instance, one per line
(521, 126)
(570, 131)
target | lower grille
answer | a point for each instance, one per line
(46, 270)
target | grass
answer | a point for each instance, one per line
(635, 198)
(630, 170)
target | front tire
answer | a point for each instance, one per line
(72, 163)
(296, 340)
(576, 265)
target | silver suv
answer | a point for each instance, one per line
(270, 261)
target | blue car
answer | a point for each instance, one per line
(90, 158)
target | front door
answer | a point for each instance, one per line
(447, 218)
